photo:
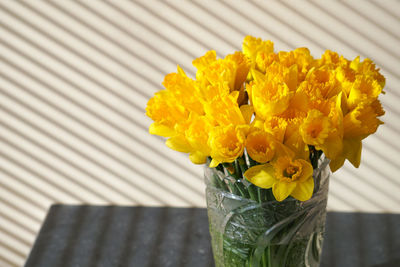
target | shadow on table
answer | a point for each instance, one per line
(108, 236)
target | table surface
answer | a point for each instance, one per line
(108, 236)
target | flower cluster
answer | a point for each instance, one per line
(279, 109)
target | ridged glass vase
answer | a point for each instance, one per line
(264, 233)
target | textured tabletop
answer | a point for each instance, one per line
(108, 236)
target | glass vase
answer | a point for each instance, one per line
(257, 232)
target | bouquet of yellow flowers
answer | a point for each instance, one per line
(264, 122)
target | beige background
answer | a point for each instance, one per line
(75, 77)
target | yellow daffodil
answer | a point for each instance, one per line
(260, 145)
(364, 89)
(242, 66)
(226, 143)
(197, 136)
(321, 83)
(363, 120)
(367, 67)
(203, 62)
(191, 137)
(264, 59)
(184, 90)
(253, 46)
(277, 127)
(300, 58)
(357, 125)
(209, 92)
(232, 70)
(166, 112)
(331, 59)
(225, 110)
(288, 75)
(290, 120)
(315, 128)
(286, 176)
(269, 96)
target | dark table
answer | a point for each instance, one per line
(108, 236)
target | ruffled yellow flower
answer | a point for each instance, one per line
(203, 62)
(300, 58)
(288, 75)
(277, 127)
(226, 143)
(367, 67)
(331, 59)
(197, 136)
(191, 137)
(323, 132)
(321, 83)
(260, 145)
(242, 67)
(253, 46)
(364, 89)
(209, 92)
(286, 176)
(166, 112)
(357, 125)
(269, 96)
(224, 110)
(233, 70)
(184, 90)
(288, 123)
(264, 60)
(363, 120)
(315, 128)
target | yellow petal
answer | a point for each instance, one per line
(260, 145)
(333, 147)
(282, 189)
(197, 157)
(181, 71)
(261, 175)
(162, 130)
(353, 151)
(204, 61)
(304, 191)
(296, 144)
(179, 143)
(247, 112)
(282, 151)
(258, 76)
(336, 163)
(307, 170)
(214, 163)
(227, 143)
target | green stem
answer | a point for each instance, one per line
(259, 197)
(252, 192)
(241, 190)
(264, 260)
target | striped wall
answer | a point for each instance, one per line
(75, 77)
